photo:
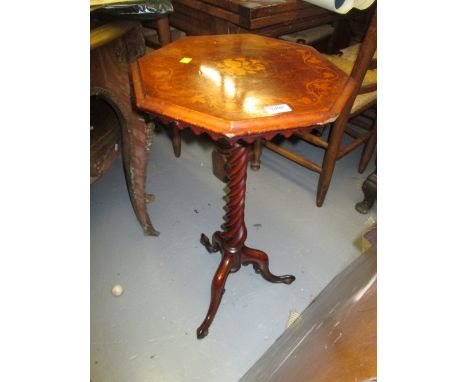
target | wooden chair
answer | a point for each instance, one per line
(360, 63)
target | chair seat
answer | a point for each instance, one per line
(345, 62)
(362, 100)
(351, 52)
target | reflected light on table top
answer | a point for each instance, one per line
(212, 74)
(229, 87)
(251, 105)
(219, 80)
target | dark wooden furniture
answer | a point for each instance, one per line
(235, 88)
(267, 17)
(335, 338)
(105, 136)
(369, 188)
(153, 14)
(113, 46)
(361, 103)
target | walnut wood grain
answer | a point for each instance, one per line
(230, 79)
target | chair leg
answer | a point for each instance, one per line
(329, 160)
(256, 154)
(176, 140)
(368, 149)
(164, 33)
(369, 188)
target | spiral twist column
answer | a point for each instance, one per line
(231, 240)
(235, 233)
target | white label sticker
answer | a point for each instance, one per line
(275, 109)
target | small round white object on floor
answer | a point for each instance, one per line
(117, 290)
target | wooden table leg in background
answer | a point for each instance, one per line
(256, 154)
(176, 140)
(164, 33)
(219, 158)
(230, 242)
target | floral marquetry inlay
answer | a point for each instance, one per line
(240, 66)
(239, 85)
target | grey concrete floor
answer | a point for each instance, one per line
(148, 333)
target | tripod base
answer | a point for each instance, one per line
(231, 261)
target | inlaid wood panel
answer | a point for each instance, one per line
(232, 85)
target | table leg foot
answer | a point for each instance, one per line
(149, 198)
(230, 263)
(369, 188)
(149, 230)
(217, 290)
(259, 260)
(210, 247)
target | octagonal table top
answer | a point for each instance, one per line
(238, 86)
